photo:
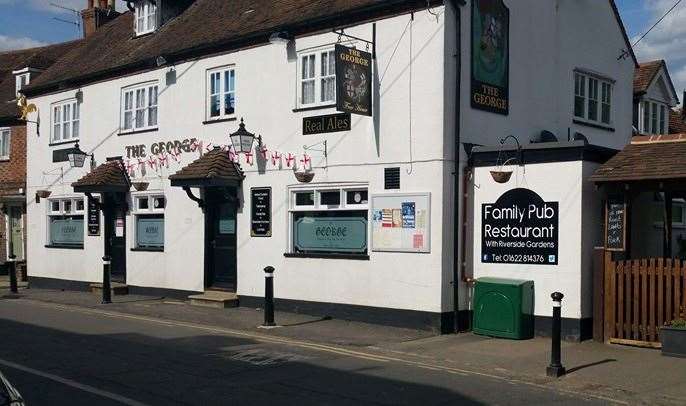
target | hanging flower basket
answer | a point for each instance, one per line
(501, 176)
(304, 177)
(141, 186)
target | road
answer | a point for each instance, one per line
(56, 355)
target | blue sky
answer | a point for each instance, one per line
(26, 23)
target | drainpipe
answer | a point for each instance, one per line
(456, 174)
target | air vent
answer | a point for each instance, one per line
(391, 178)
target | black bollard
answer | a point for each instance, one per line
(12, 270)
(555, 369)
(106, 285)
(269, 297)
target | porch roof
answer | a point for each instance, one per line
(656, 157)
(212, 169)
(108, 177)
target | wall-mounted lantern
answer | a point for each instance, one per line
(242, 140)
(78, 157)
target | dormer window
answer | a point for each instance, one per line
(21, 80)
(146, 17)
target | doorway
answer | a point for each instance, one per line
(115, 231)
(221, 241)
(16, 233)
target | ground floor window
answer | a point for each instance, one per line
(148, 217)
(65, 222)
(329, 220)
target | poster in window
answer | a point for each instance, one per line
(401, 222)
(490, 56)
(353, 81)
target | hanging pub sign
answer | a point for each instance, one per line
(261, 212)
(520, 228)
(93, 216)
(353, 80)
(615, 224)
(329, 123)
(490, 56)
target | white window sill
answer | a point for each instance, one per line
(220, 119)
(594, 124)
(138, 130)
(308, 107)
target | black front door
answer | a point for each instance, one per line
(221, 241)
(115, 232)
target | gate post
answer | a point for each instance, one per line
(609, 305)
(599, 294)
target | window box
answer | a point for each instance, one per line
(139, 110)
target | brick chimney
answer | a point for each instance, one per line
(97, 14)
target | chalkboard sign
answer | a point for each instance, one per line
(615, 224)
(93, 216)
(261, 212)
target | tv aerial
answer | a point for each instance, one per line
(77, 17)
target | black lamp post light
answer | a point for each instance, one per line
(77, 157)
(242, 140)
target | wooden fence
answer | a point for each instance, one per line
(642, 295)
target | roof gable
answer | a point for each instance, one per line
(655, 73)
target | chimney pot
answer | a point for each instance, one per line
(98, 13)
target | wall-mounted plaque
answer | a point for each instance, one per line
(353, 80)
(329, 123)
(615, 224)
(490, 56)
(93, 216)
(261, 212)
(520, 228)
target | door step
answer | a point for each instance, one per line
(215, 299)
(118, 289)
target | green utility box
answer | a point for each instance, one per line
(504, 308)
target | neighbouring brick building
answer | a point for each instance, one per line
(17, 69)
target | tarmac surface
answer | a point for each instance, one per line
(66, 354)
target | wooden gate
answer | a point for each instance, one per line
(642, 295)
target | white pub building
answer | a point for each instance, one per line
(349, 144)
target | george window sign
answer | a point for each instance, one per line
(520, 228)
(324, 234)
(353, 81)
(66, 231)
(261, 212)
(93, 216)
(150, 231)
(490, 56)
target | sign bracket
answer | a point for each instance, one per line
(325, 150)
(341, 33)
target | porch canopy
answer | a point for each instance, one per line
(110, 177)
(213, 169)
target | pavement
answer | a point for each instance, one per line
(339, 361)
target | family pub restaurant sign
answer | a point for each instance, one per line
(520, 228)
(490, 41)
(353, 80)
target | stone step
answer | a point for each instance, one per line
(215, 299)
(118, 289)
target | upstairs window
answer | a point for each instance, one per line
(66, 121)
(21, 81)
(145, 17)
(139, 107)
(592, 99)
(654, 118)
(221, 93)
(4, 143)
(317, 79)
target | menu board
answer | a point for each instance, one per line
(93, 216)
(401, 222)
(615, 224)
(261, 212)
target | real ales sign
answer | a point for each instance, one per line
(490, 56)
(353, 81)
(520, 228)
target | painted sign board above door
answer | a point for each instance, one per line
(353, 80)
(261, 212)
(329, 123)
(615, 224)
(490, 56)
(520, 228)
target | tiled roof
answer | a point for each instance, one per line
(38, 58)
(644, 75)
(212, 169)
(207, 27)
(110, 176)
(677, 122)
(659, 157)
